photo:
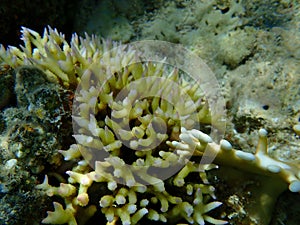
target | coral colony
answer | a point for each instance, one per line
(125, 144)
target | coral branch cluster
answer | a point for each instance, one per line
(142, 151)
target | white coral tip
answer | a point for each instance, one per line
(262, 132)
(295, 186)
(225, 145)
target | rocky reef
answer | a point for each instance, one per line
(147, 145)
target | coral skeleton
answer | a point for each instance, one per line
(130, 143)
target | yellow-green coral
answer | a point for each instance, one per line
(138, 147)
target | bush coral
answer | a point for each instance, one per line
(142, 151)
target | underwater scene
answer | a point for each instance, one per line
(145, 112)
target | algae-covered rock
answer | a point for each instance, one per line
(236, 46)
(7, 96)
(31, 134)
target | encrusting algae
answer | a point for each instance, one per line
(142, 155)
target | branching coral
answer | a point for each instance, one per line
(137, 127)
